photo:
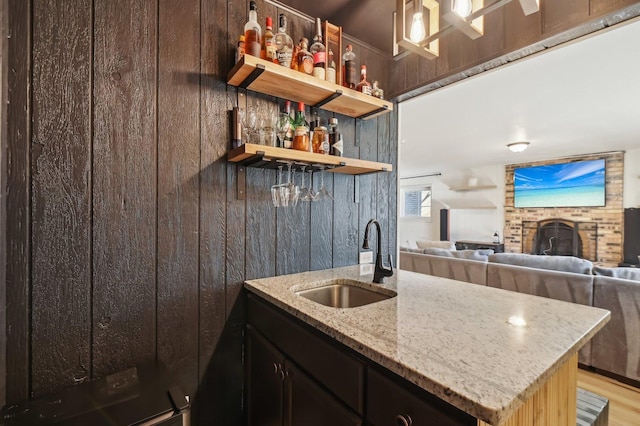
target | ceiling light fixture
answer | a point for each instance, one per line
(424, 21)
(518, 146)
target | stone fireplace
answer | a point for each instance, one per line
(598, 235)
(560, 237)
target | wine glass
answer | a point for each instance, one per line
(277, 192)
(292, 189)
(323, 193)
(304, 193)
(282, 126)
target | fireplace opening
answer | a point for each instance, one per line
(560, 237)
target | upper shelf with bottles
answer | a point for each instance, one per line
(272, 79)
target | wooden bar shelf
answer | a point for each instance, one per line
(252, 155)
(272, 79)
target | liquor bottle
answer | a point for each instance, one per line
(301, 130)
(240, 48)
(253, 32)
(350, 79)
(269, 47)
(284, 43)
(294, 58)
(331, 68)
(376, 91)
(364, 85)
(336, 146)
(287, 124)
(305, 60)
(318, 51)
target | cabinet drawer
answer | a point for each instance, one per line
(393, 401)
(341, 373)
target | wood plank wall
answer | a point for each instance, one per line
(126, 240)
(507, 30)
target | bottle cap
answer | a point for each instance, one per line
(283, 20)
(252, 5)
(300, 106)
(241, 38)
(349, 47)
(333, 120)
(363, 67)
(269, 22)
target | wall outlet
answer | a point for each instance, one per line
(366, 257)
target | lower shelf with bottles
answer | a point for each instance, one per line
(253, 155)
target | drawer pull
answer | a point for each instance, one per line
(403, 420)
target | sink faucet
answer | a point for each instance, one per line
(380, 271)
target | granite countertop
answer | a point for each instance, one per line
(448, 337)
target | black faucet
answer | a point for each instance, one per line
(380, 271)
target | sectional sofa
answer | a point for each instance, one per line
(614, 350)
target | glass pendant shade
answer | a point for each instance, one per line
(462, 8)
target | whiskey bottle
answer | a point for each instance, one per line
(253, 32)
(376, 91)
(269, 51)
(331, 68)
(350, 79)
(284, 43)
(301, 130)
(364, 86)
(336, 146)
(318, 52)
(304, 59)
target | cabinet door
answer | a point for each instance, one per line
(308, 404)
(264, 381)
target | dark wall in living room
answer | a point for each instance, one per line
(126, 239)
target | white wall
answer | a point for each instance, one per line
(466, 222)
(631, 194)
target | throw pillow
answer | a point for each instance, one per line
(424, 244)
(438, 252)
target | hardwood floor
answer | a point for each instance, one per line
(624, 400)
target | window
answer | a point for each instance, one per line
(416, 202)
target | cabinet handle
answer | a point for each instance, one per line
(282, 374)
(276, 367)
(403, 420)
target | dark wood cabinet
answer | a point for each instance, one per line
(298, 376)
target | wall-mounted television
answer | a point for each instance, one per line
(574, 184)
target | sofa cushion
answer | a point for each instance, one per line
(624, 273)
(480, 254)
(423, 244)
(552, 263)
(438, 251)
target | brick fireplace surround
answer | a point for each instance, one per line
(609, 218)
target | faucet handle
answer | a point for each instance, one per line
(390, 261)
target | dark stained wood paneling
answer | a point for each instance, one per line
(4, 32)
(367, 134)
(321, 225)
(562, 15)
(178, 188)
(520, 30)
(345, 210)
(601, 7)
(61, 197)
(18, 207)
(124, 171)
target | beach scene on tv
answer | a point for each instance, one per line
(575, 184)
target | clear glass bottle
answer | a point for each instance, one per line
(318, 51)
(253, 32)
(350, 77)
(287, 122)
(284, 43)
(331, 68)
(304, 58)
(240, 48)
(364, 86)
(269, 46)
(301, 130)
(376, 91)
(336, 146)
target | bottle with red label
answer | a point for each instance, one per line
(318, 51)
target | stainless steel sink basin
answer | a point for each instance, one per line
(345, 294)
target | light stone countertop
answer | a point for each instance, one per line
(448, 337)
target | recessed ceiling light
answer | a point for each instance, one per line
(518, 146)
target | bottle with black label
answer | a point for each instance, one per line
(336, 145)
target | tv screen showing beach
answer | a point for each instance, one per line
(576, 184)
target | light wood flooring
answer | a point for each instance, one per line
(624, 400)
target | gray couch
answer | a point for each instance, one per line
(615, 349)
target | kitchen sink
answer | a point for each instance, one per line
(344, 294)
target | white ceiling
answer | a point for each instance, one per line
(582, 97)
